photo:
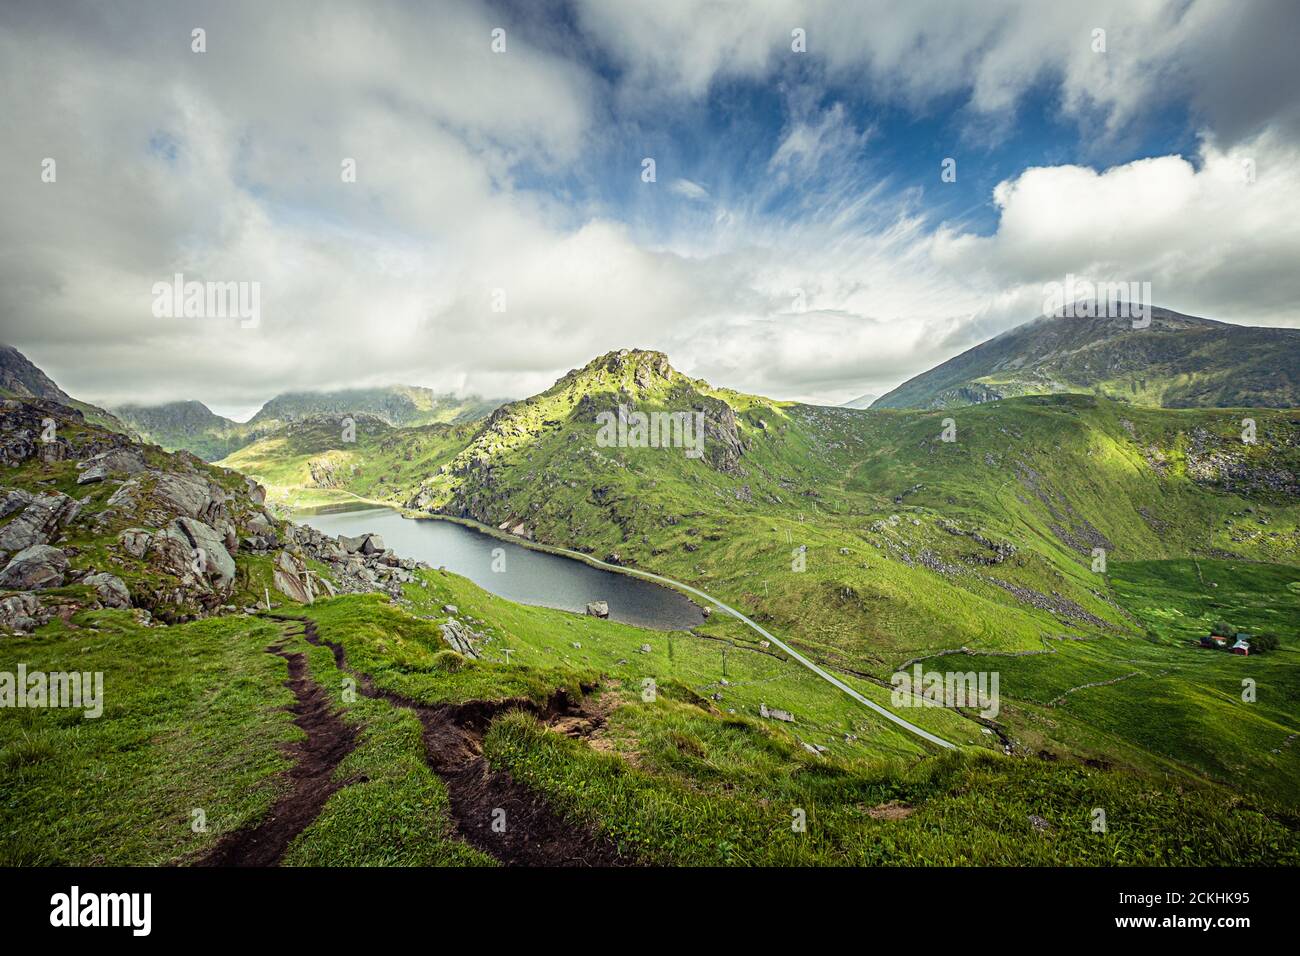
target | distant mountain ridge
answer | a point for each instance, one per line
(1178, 361)
(194, 427)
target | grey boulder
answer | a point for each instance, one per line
(111, 589)
(39, 566)
(18, 613)
(41, 518)
(218, 565)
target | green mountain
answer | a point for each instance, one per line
(1074, 546)
(1179, 361)
(868, 541)
(192, 426)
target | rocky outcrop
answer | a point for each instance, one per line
(40, 520)
(208, 549)
(110, 589)
(723, 446)
(115, 463)
(33, 568)
(292, 579)
(39, 430)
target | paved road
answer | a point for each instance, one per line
(824, 675)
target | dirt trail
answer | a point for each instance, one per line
(527, 832)
(315, 759)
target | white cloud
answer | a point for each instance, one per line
(1233, 61)
(226, 166)
(688, 189)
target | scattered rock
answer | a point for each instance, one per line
(18, 613)
(773, 713)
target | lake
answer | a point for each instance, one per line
(524, 575)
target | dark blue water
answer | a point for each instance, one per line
(523, 575)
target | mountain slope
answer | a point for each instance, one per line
(188, 426)
(1179, 361)
(397, 405)
(20, 378)
(904, 545)
(868, 541)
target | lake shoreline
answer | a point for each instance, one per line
(299, 515)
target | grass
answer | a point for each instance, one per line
(192, 721)
(393, 810)
(704, 791)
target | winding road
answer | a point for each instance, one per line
(820, 672)
(810, 665)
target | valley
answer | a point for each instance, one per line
(1075, 546)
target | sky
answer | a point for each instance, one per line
(799, 237)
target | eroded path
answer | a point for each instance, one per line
(312, 777)
(491, 811)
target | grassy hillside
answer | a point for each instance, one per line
(863, 538)
(868, 541)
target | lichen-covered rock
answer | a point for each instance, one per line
(459, 638)
(115, 462)
(135, 541)
(170, 552)
(291, 578)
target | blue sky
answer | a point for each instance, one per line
(798, 240)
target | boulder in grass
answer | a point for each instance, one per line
(773, 713)
(111, 589)
(598, 609)
(19, 613)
